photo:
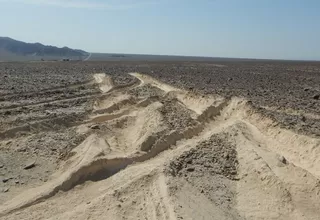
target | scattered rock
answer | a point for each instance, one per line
(95, 127)
(6, 190)
(5, 180)
(233, 172)
(1, 165)
(283, 160)
(316, 97)
(190, 169)
(30, 165)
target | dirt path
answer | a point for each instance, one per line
(153, 151)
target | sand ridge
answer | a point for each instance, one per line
(157, 152)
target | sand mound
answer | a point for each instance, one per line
(104, 81)
(156, 152)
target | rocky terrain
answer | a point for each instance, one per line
(289, 92)
(286, 91)
(160, 140)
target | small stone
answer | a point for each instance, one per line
(5, 180)
(190, 169)
(88, 202)
(6, 190)
(283, 160)
(17, 181)
(30, 165)
(316, 97)
(1, 165)
(233, 172)
(95, 127)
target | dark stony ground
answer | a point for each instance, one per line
(211, 169)
(287, 91)
(40, 103)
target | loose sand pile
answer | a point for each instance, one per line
(152, 151)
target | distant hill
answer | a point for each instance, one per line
(11, 49)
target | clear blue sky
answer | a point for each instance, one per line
(280, 29)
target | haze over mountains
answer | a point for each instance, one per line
(15, 50)
(11, 49)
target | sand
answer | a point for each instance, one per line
(153, 151)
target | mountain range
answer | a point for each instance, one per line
(11, 49)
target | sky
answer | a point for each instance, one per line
(272, 29)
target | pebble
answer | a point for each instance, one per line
(95, 127)
(190, 169)
(30, 165)
(283, 160)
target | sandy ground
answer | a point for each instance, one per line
(148, 150)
